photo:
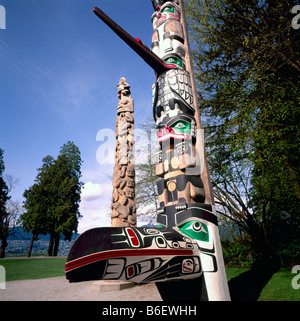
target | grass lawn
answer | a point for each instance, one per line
(33, 268)
(231, 273)
(278, 288)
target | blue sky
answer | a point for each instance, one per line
(59, 69)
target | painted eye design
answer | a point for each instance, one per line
(197, 227)
(167, 8)
(151, 231)
(180, 125)
(189, 246)
(196, 230)
(160, 241)
(175, 245)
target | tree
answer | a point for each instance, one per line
(70, 154)
(146, 179)
(247, 66)
(9, 209)
(33, 219)
(4, 222)
(65, 193)
(52, 203)
(40, 203)
(146, 190)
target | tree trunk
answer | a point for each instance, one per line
(56, 245)
(31, 245)
(50, 248)
(3, 247)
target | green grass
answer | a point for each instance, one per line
(32, 268)
(278, 288)
(234, 272)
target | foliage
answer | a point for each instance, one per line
(146, 179)
(290, 256)
(52, 203)
(247, 65)
(237, 254)
(4, 217)
(3, 190)
(9, 209)
(32, 220)
(146, 190)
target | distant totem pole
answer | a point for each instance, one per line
(123, 201)
(185, 248)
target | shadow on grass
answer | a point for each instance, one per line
(248, 285)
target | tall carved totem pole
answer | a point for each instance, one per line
(182, 194)
(185, 248)
(123, 200)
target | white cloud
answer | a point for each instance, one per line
(91, 191)
(96, 191)
(94, 214)
(95, 205)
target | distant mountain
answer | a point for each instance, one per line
(19, 234)
(19, 241)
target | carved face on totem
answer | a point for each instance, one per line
(123, 88)
(167, 11)
(177, 128)
(168, 39)
(130, 171)
(157, 3)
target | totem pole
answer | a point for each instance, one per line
(186, 245)
(123, 201)
(182, 194)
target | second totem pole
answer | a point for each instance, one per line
(123, 201)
